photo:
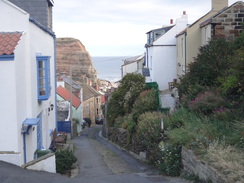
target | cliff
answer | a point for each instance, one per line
(72, 52)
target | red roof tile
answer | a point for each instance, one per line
(65, 94)
(8, 42)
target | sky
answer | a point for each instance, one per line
(119, 27)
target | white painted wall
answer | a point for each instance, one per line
(162, 60)
(46, 164)
(11, 157)
(130, 68)
(19, 80)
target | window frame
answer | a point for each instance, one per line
(46, 85)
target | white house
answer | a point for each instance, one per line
(160, 56)
(133, 65)
(27, 80)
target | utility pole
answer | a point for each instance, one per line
(71, 122)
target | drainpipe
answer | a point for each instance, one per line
(55, 80)
(24, 140)
(185, 53)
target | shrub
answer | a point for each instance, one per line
(64, 160)
(146, 102)
(149, 134)
(171, 160)
(122, 100)
(207, 102)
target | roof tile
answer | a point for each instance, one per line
(65, 94)
(8, 42)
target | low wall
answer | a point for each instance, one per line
(45, 163)
(11, 157)
(191, 165)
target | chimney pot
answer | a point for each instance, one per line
(184, 12)
(171, 21)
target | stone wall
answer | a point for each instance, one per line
(191, 165)
(228, 24)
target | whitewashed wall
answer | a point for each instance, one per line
(19, 80)
(162, 60)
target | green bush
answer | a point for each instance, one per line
(64, 160)
(171, 160)
(122, 100)
(149, 134)
(146, 102)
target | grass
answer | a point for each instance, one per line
(200, 133)
(228, 160)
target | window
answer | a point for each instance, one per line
(43, 77)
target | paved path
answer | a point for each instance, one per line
(98, 161)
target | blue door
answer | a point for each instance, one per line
(39, 132)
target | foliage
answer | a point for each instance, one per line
(232, 83)
(64, 160)
(122, 100)
(147, 101)
(209, 65)
(171, 160)
(207, 102)
(149, 133)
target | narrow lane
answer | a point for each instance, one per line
(101, 161)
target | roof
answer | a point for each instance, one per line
(134, 59)
(89, 92)
(206, 22)
(65, 94)
(166, 28)
(8, 42)
(182, 32)
(68, 80)
(38, 24)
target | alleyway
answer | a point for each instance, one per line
(98, 161)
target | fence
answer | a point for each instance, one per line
(64, 126)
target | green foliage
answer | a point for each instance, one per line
(122, 100)
(232, 83)
(171, 160)
(64, 160)
(149, 133)
(209, 65)
(147, 101)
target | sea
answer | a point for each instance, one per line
(108, 67)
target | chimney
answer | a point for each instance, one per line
(171, 21)
(184, 12)
(219, 4)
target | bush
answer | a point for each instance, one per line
(171, 160)
(64, 160)
(149, 134)
(122, 100)
(207, 102)
(146, 102)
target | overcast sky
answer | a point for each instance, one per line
(118, 27)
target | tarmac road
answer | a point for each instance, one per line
(98, 162)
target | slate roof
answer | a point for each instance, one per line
(89, 92)
(65, 94)
(8, 42)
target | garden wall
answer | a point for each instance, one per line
(45, 163)
(199, 168)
